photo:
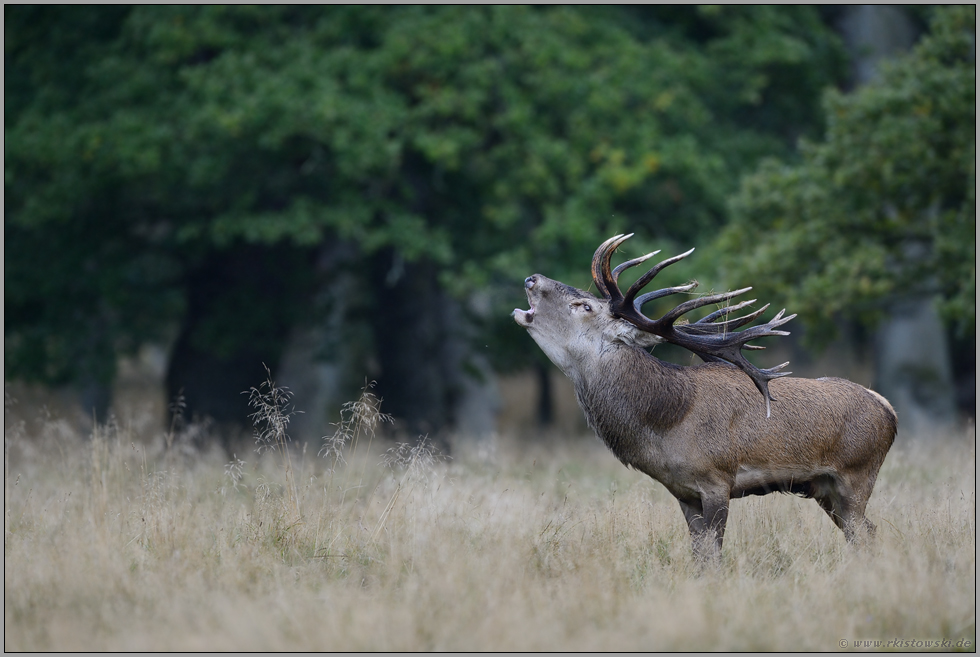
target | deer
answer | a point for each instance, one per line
(704, 431)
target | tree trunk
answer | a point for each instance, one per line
(873, 33)
(411, 341)
(240, 306)
(546, 413)
(913, 367)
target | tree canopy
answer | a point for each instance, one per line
(195, 170)
(884, 205)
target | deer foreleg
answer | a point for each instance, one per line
(706, 519)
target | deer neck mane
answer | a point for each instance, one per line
(627, 393)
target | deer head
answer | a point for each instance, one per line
(568, 323)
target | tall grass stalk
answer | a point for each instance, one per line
(270, 419)
(360, 418)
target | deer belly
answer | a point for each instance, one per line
(762, 481)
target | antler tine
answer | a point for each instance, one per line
(642, 281)
(728, 310)
(745, 335)
(708, 325)
(631, 263)
(667, 291)
(688, 306)
(601, 275)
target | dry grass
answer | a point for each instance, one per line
(114, 542)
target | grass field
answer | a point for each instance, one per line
(125, 539)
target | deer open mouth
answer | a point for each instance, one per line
(523, 317)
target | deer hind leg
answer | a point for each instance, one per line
(706, 520)
(858, 490)
(845, 504)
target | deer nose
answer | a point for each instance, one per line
(529, 282)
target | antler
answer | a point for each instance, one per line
(711, 340)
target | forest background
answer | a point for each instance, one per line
(346, 194)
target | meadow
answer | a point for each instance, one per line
(127, 537)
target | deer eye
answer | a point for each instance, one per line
(584, 305)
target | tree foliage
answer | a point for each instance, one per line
(884, 205)
(153, 152)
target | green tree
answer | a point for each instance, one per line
(215, 170)
(884, 205)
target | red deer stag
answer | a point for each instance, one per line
(703, 431)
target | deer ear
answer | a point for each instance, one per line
(647, 340)
(628, 334)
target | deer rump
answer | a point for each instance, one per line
(704, 431)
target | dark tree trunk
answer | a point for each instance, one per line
(241, 305)
(913, 367)
(412, 342)
(546, 414)
(95, 398)
(211, 384)
(873, 34)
